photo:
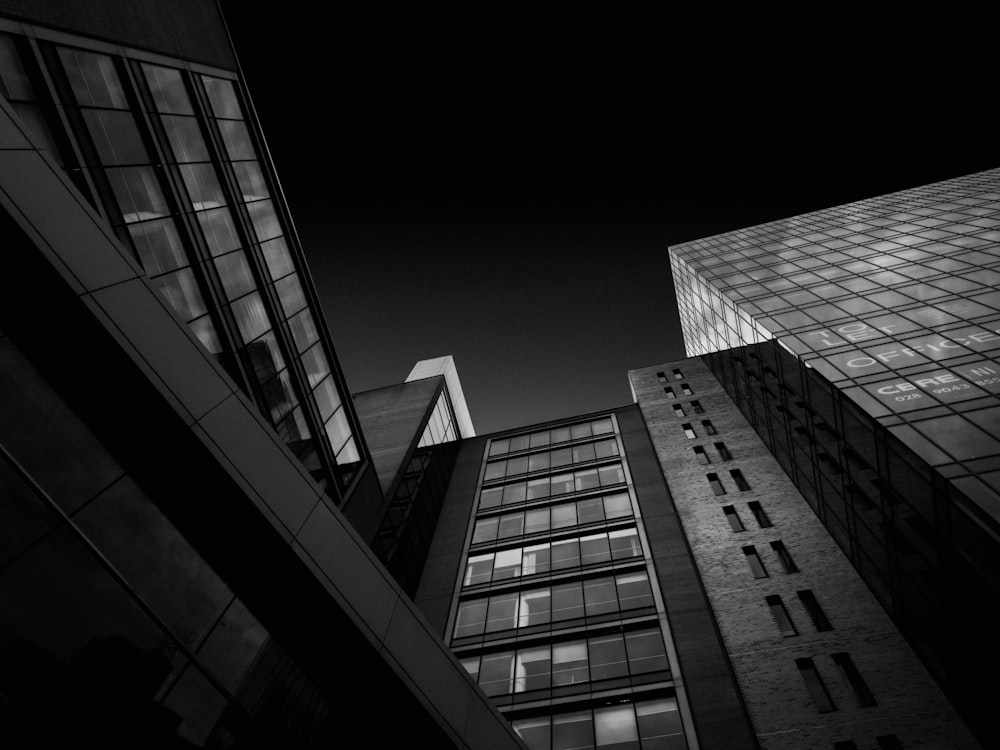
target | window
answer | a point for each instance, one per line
(699, 453)
(696, 405)
(815, 686)
(645, 652)
(686, 389)
(753, 559)
(816, 613)
(662, 377)
(496, 672)
(734, 520)
(724, 453)
(853, 677)
(678, 410)
(709, 427)
(740, 480)
(677, 374)
(670, 392)
(759, 515)
(780, 614)
(688, 431)
(786, 559)
(532, 669)
(717, 488)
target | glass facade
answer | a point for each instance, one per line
(170, 157)
(556, 615)
(894, 300)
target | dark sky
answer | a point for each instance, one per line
(505, 191)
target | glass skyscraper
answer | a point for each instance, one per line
(893, 299)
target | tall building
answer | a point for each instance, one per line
(861, 342)
(179, 456)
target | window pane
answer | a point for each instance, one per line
(617, 506)
(138, 193)
(495, 470)
(599, 596)
(502, 612)
(315, 364)
(583, 453)
(566, 554)
(586, 480)
(615, 727)
(607, 657)
(219, 230)
(567, 601)
(507, 564)
(533, 669)
(251, 317)
(167, 88)
(496, 673)
(116, 137)
(612, 475)
(337, 429)
(538, 461)
(573, 731)
(185, 138)
(634, 590)
(561, 484)
(265, 220)
(535, 608)
(563, 515)
(93, 79)
(237, 139)
(538, 488)
(490, 498)
(645, 651)
(158, 245)
(569, 663)
(202, 186)
(594, 549)
(536, 733)
(471, 618)
(536, 559)
(658, 720)
(251, 180)
(303, 330)
(486, 530)
(535, 520)
(624, 544)
(277, 257)
(514, 493)
(180, 290)
(479, 570)
(590, 511)
(234, 272)
(561, 457)
(222, 96)
(291, 294)
(607, 448)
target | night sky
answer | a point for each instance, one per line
(505, 191)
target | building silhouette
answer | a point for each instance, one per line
(207, 541)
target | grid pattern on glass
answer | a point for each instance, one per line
(557, 556)
(562, 663)
(644, 725)
(543, 487)
(896, 294)
(552, 518)
(556, 606)
(547, 460)
(554, 436)
(441, 426)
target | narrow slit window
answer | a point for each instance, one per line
(786, 559)
(816, 613)
(678, 410)
(700, 454)
(854, 678)
(753, 559)
(734, 519)
(717, 488)
(670, 392)
(677, 374)
(686, 389)
(709, 427)
(724, 453)
(741, 483)
(780, 614)
(696, 406)
(815, 686)
(759, 515)
(688, 431)
(662, 377)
